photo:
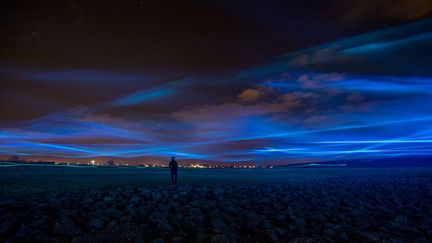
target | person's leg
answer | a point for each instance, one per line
(175, 177)
(172, 177)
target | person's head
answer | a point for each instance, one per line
(173, 158)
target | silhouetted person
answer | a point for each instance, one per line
(173, 167)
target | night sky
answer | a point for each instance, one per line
(286, 81)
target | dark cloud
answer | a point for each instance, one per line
(364, 10)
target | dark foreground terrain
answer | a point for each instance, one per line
(274, 205)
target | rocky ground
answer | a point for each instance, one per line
(361, 209)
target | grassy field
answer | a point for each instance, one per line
(34, 178)
(86, 204)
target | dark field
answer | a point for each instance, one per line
(61, 204)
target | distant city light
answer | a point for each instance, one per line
(93, 162)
